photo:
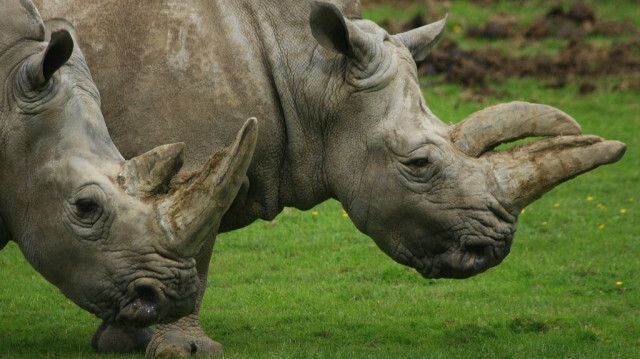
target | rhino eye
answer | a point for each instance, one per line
(419, 169)
(86, 208)
(419, 162)
(88, 212)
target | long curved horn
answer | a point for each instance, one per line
(193, 211)
(487, 128)
(524, 173)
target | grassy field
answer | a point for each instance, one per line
(308, 285)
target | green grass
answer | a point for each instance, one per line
(308, 285)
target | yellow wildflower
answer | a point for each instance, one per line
(623, 211)
(544, 223)
(601, 226)
(590, 198)
(315, 213)
(600, 205)
(522, 212)
(457, 29)
(556, 205)
(618, 283)
(344, 214)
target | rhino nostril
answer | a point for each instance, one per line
(478, 244)
(146, 293)
(146, 305)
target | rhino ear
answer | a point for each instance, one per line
(420, 41)
(334, 32)
(46, 63)
(58, 24)
(151, 172)
(57, 54)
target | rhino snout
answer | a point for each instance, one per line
(151, 302)
(483, 253)
(472, 256)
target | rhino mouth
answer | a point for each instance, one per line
(473, 256)
(482, 253)
(149, 301)
(156, 291)
(477, 245)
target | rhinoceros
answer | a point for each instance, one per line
(341, 116)
(117, 237)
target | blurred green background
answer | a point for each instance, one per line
(308, 285)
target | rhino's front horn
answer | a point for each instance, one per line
(524, 173)
(194, 208)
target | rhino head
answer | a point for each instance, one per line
(433, 196)
(117, 237)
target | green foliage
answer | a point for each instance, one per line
(308, 285)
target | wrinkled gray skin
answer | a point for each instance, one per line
(115, 236)
(341, 116)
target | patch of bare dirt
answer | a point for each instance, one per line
(578, 21)
(578, 61)
(475, 67)
(500, 26)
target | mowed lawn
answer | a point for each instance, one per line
(309, 285)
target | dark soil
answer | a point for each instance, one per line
(579, 61)
(475, 67)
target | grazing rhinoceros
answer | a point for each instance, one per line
(341, 116)
(115, 236)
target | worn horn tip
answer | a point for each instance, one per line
(175, 150)
(565, 125)
(248, 132)
(250, 127)
(180, 145)
(250, 124)
(615, 150)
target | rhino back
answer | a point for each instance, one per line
(193, 71)
(168, 72)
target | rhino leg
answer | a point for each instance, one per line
(119, 339)
(185, 336)
(182, 338)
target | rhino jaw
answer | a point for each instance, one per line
(477, 244)
(474, 256)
